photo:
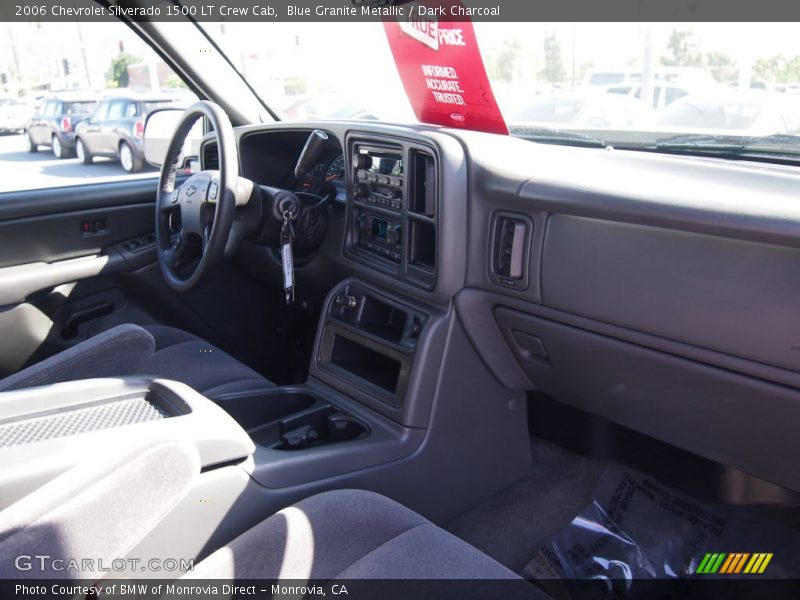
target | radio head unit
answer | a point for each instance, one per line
(379, 177)
(380, 163)
(392, 209)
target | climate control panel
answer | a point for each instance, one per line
(378, 234)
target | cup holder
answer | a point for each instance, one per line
(289, 419)
(322, 425)
(254, 410)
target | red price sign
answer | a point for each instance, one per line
(442, 71)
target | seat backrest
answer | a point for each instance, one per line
(113, 353)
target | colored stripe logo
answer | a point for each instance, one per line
(734, 563)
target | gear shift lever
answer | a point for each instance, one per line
(308, 159)
(310, 155)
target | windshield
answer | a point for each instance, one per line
(626, 84)
(549, 110)
(712, 115)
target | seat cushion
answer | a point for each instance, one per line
(186, 358)
(348, 534)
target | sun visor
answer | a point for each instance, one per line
(442, 70)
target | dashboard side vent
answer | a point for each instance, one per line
(422, 198)
(210, 157)
(509, 243)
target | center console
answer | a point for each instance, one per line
(392, 213)
(357, 407)
(367, 345)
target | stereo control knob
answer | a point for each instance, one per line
(362, 161)
(394, 194)
(397, 235)
(346, 301)
(360, 191)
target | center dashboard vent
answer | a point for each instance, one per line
(422, 195)
(210, 157)
(510, 235)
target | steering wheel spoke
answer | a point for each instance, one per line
(172, 259)
(206, 236)
(174, 255)
(177, 239)
(168, 199)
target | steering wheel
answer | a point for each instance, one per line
(194, 219)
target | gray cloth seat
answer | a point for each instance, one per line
(191, 360)
(97, 510)
(152, 350)
(103, 507)
(348, 534)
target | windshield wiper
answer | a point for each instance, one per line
(557, 136)
(775, 144)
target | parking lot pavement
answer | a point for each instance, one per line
(23, 170)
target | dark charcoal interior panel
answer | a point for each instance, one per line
(30, 203)
(727, 295)
(736, 420)
(59, 237)
(731, 198)
(18, 282)
(48, 225)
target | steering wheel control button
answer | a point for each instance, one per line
(212, 190)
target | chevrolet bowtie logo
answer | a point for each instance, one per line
(191, 190)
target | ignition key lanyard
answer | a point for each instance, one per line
(287, 236)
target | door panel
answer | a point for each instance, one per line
(58, 279)
(49, 202)
(23, 327)
(62, 236)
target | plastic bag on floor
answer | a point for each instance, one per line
(637, 529)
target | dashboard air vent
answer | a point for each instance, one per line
(210, 157)
(423, 193)
(510, 234)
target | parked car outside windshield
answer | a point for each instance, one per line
(749, 113)
(54, 124)
(14, 115)
(594, 110)
(116, 129)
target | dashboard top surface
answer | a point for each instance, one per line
(737, 199)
